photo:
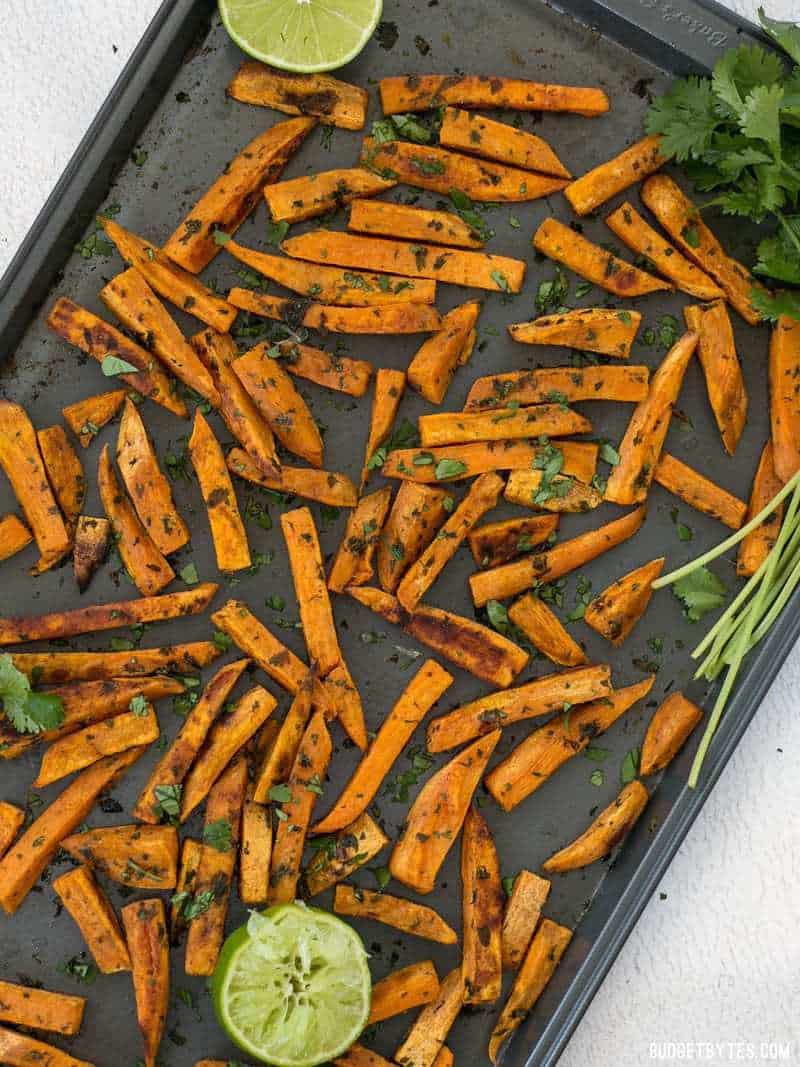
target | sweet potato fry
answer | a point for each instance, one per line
(343, 702)
(79, 750)
(605, 832)
(278, 760)
(352, 564)
(250, 635)
(444, 1058)
(425, 1040)
(333, 102)
(549, 420)
(601, 183)
(99, 339)
(54, 667)
(91, 910)
(308, 575)
(145, 924)
(382, 218)
(215, 869)
(480, 270)
(512, 578)
(547, 748)
(432, 368)
(419, 696)
(356, 1056)
(456, 462)
(90, 548)
(667, 733)
(699, 492)
(614, 612)
(133, 302)
(271, 390)
(541, 960)
(255, 853)
(11, 820)
(355, 845)
(437, 814)
(143, 857)
(756, 546)
(14, 536)
(64, 472)
(640, 237)
(477, 135)
(169, 280)
(87, 417)
(227, 527)
(326, 487)
(602, 330)
(317, 194)
(21, 1050)
(143, 561)
(590, 261)
(641, 446)
(523, 910)
(402, 990)
(24, 862)
(191, 853)
(389, 388)
(344, 375)
(566, 384)
(441, 170)
(424, 571)
(305, 783)
(545, 631)
(38, 1009)
(416, 514)
(682, 221)
(549, 693)
(224, 740)
(22, 463)
(499, 542)
(716, 350)
(418, 92)
(404, 915)
(481, 911)
(235, 194)
(784, 369)
(398, 318)
(174, 765)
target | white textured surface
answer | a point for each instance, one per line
(718, 960)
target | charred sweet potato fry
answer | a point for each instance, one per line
(87, 417)
(546, 949)
(308, 575)
(602, 330)
(424, 571)
(227, 527)
(397, 318)
(418, 92)
(590, 261)
(20, 1050)
(432, 368)
(79, 750)
(699, 492)
(23, 466)
(498, 583)
(441, 170)
(14, 536)
(174, 765)
(568, 384)
(402, 990)
(169, 280)
(232, 197)
(499, 542)
(425, 1039)
(99, 339)
(255, 853)
(326, 487)
(522, 913)
(416, 514)
(456, 462)
(640, 237)
(64, 472)
(344, 375)
(419, 696)
(91, 910)
(254, 639)
(145, 923)
(90, 548)
(601, 183)
(355, 845)
(481, 911)
(389, 388)
(668, 731)
(224, 740)
(11, 820)
(548, 747)
(437, 815)
(784, 399)
(756, 546)
(404, 915)
(682, 221)
(604, 833)
(140, 555)
(478, 135)
(278, 760)
(382, 218)
(352, 564)
(479, 270)
(716, 351)
(545, 631)
(317, 194)
(558, 492)
(143, 857)
(38, 1009)
(614, 612)
(333, 102)
(641, 446)
(54, 667)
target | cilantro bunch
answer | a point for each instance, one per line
(738, 136)
(26, 711)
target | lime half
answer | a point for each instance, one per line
(301, 35)
(292, 987)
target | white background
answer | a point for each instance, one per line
(719, 958)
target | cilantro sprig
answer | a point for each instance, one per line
(26, 711)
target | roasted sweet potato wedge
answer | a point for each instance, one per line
(716, 351)
(602, 330)
(317, 194)
(453, 463)
(64, 472)
(19, 1050)
(250, 635)
(143, 857)
(528, 896)
(432, 368)
(425, 1040)
(564, 384)
(418, 92)
(38, 1009)
(87, 417)
(604, 833)
(332, 101)
(404, 915)
(92, 541)
(94, 916)
(54, 667)
(482, 903)
(399, 318)
(85, 747)
(784, 369)
(255, 853)
(326, 487)
(462, 427)
(545, 631)
(402, 990)
(145, 923)
(668, 731)
(11, 820)
(478, 135)
(352, 564)
(699, 492)
(14, 536)
(417, 513)
(354, 846)
(601, 183)
(614, 612)
(191, 853)
(279, 758)
(227, 526)
(389, 388)
(756, 546)
(499, 542)
(382, 218)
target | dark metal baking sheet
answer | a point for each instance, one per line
(170, 105)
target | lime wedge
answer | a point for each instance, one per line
(301, 35)
(292, 986)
